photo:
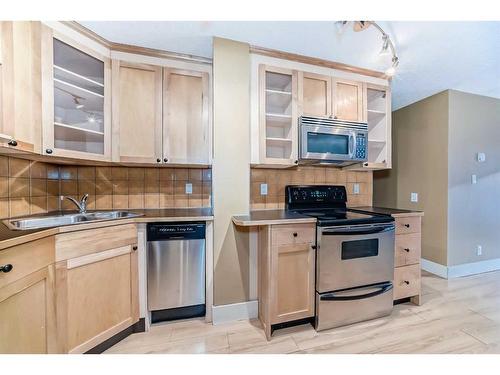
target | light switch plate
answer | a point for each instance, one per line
(189, 188)
(263, 189)
(356, 189)
(473, 179)
(481, 157)
(414, 197)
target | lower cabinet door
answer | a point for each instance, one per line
(27, 320)
(294, 288)
(96, 297)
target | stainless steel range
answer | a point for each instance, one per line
(354, 256)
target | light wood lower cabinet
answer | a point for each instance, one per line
(27, 309)
(97, 285)
(286, 274)
(407, 278)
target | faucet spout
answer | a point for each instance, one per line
(81, 205)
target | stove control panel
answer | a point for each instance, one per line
(312, 196)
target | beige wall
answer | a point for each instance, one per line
(474, 210)
(231, 172)
(420, 143)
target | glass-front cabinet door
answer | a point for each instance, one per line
(76, 100)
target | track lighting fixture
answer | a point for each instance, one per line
(387, 45)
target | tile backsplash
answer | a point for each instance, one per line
(277, 179)
(31, 187)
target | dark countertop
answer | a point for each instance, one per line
(269, 217)
(9, 237)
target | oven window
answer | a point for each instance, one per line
(359, 249)
(322, 143)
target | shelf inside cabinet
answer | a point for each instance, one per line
(277, 142)
(278, 82)
(70, 133)
(78, 81)
(279, 117)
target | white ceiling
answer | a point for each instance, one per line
(434, 56)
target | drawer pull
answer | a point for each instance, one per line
(6, 268)
(295, 234)
(407, 225)
(406, 282)
(407, 250)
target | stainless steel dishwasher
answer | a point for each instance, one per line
(176, 270)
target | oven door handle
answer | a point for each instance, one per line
(333, 297)
(348, 232)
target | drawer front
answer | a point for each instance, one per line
(410, 224)
(408, 249)
(26, 259)
(290, 234)
(406, 281)
(76, 244)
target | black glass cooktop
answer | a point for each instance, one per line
(330, 217)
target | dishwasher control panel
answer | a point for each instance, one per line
(175, 231)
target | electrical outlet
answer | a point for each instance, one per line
(263, 189)
(414, 197)
(189, 188)
(479, 250)
(355, 189)
(473, 179)
(481, 157)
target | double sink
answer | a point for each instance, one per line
(48, 221)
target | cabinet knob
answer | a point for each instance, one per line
(314, 247)
(407, 225)
(12, 142)
(134, 247)
(158, 160)
(296, 162)
(407, 250)
(6, 268)
(335, 117)
(165, 160)
(48, 151)
(406, 282)
(295, 234)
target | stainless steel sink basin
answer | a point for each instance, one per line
(47, 221)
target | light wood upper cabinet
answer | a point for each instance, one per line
(137, 112)
(186, 122)
(76, 85)
(347, 100)
(97, 285)
(27, 308)
(315, 93)
(278, 114)
(20, 85)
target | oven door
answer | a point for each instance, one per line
(327, 143)
(354, 255)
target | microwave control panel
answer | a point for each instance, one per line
(361, 146)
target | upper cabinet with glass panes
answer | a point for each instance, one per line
(77, 123)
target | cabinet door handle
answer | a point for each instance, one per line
(295, 234)
(6, 268)
(165, 160)
(12, 143)
(158, 160)
(134, 248)
(48, 151)
(314, 247)
(406, 282)
(407, 225)
(407, 250)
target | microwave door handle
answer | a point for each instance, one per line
(352, 139)
(339, 297)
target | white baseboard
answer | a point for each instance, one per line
(434, 268)
(460, 270)
(235, 311)
(474, 268)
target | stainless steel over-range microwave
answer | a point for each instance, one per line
(332, 141)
